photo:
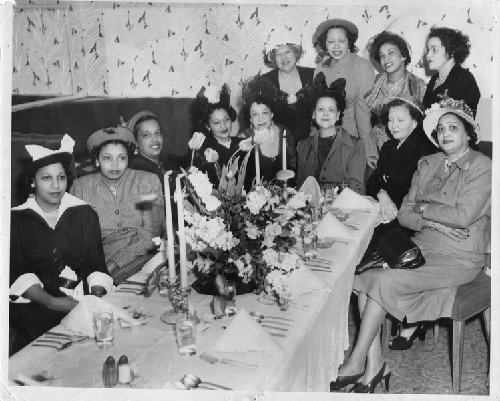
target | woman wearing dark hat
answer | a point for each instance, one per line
(147, 132)
(56, 253)
(446, 50)
(215, 121)
(128, 224)
(399, 156)
(393, 54)
(258, 109)
(449, 207)
(331, 154)
(336, 37)
(291, 106)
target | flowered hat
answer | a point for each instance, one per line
(282, 36)
(109, 134)
(408, 99)
(326, 25)
(448, 105)
(213, 97)
(43, 156)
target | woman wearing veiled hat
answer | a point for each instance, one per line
(331, 154)
(390, 51)
(449, 208)
(336, 37)
(291, 104)
(215, 117)
(128, 223)
(56, 252)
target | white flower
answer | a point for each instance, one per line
(270, 232)
(157, 241)
(279, 282)
(211, 155)
(196, 141)
(212, 93)
(298, 201)
(246, 144)
(291, 99)
(252, 231)
(280, 37)
(203, 188)
(257, 199)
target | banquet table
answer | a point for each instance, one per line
(311, 352)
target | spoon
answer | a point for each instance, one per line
(192, 381)
(261, 320)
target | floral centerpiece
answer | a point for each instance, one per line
(246, 237)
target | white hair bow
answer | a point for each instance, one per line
(39, 152)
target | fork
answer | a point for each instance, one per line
(213, 360)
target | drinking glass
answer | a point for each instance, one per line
(104, 328)
(185, 326)
(310, 242)
(163, 284)
(230, 296)
(315, 214)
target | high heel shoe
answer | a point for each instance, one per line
(343, 381)
(370, 386)
(401, 343)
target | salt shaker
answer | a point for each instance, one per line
(109, 372)
(123, 370)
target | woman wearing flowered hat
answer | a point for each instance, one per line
(56, 253)
(449, 207)
(291, 104)
(446, 50)
(399, 156)
(391, 52)
(146, 128)
(128, 224)
(336, 38)
(213, 144)
(331, 154)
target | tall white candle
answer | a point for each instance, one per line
(284, 150)
(257, 165)
(170, 228)
(181, 233)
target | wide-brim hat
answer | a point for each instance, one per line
(42, 157)
(325, 25)
(446, 106)
(407, 99)
(110, 134)
(136, 117)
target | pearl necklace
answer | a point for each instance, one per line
(447, 163)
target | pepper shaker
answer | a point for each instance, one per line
(109, 372)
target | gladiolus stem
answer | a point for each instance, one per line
(192, 158)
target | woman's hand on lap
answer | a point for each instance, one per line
(388, 209)
(372, 162)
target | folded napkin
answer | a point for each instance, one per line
(80, 319)
(349, 199)
(330, 226)
(311, 187)
(303, 280)
(244, 334)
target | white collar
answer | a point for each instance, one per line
(67, 201)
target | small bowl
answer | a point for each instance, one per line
(326, 242)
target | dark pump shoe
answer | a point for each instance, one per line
(401, 343)
(343, 381)
(370, 386)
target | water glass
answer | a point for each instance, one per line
(230, 296)
(310, 243)
(163, 284)
(104, 328)
(185, 327)
(327, 191)
(343, 185)
(316, 214)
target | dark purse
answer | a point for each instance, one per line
(399, 251)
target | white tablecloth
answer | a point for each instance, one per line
(313, 349)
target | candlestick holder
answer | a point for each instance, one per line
(179, 299)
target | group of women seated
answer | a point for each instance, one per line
(409, 145)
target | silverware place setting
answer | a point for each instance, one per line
(215, 360)
(60, 341)
(262, 316)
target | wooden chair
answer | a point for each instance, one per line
(472, 298)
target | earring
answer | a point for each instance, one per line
(31, 195)
(97, 164)
(136, 151)
(33, 185)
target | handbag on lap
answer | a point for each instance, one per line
(399, 251)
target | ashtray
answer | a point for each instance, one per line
(326, 242)
(340, 214)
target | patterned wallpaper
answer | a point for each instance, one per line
(162, 49)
